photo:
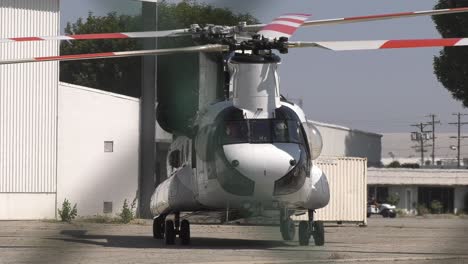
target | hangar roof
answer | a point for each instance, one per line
(338, 127)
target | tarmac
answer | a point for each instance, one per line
(399, 240)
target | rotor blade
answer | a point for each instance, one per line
(381, 44)
(283, 26)
(123, 35)
(346, 20)
(107, 55)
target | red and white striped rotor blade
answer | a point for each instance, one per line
(109, 55)
(381, 44)
(283, 26)
(347, 20)
(122, 35)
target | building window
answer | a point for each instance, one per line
(445, 195)
(377, 193)
(107, 208)
(108, 146)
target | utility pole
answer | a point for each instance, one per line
(433, 122)
(459, 137)
(421, 136)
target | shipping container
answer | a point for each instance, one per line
(347, 178)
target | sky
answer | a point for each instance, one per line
(379, 91)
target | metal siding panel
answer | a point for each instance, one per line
(28, 98)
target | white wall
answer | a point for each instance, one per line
(86, 174)
(28, 110)
(27, 206)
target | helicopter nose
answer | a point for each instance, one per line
(263, 162)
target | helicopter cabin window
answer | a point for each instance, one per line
(174, 159)
(262, 131)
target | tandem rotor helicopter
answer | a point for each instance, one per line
(255, 150)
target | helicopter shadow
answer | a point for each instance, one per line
(140, 242)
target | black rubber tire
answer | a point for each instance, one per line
(184, 233)
(288, 229)
(368, 215)
(158, 228)
(384, 213)
(304, 233)
(392, 214)
(169, 232)
(319, 233)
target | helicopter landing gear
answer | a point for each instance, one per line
(287, 226)
(169, 229)
(311, 228)
(158, 227)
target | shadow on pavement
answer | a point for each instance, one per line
(81, 236)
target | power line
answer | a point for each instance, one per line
(459, 137)
(421, 136)
(433, 123)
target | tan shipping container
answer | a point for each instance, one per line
(347, 178)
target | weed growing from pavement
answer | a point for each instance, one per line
(127, 214)
(67, 214)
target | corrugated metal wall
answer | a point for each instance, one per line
(347, 178)
(28, 98)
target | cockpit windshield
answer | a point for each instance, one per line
(262, 131)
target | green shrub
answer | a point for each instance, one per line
(401, 212)
(436, 207)
(127, 214)
(394, 164)
(421, 210)
(410, 165)
(393, 199)
(67, 214)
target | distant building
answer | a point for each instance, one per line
(339, 141)
(420, 187)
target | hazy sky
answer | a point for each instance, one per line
(379, 91)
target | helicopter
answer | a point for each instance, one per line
(255, 150)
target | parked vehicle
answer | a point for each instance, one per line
(386, 210)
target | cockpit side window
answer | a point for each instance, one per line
(174, 159)
(235, 132)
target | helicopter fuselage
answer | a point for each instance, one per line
(239, 163)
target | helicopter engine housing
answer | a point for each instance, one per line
(257, 91)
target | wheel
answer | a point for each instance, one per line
(158, 228)
(368, 215)
(392, 214)
(385, 213)
(318, 233)
(169, 232)
(304, 233)
(184, 233)
(288, 229)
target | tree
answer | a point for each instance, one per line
(123, 75)
(451, 66)
(120, 75)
